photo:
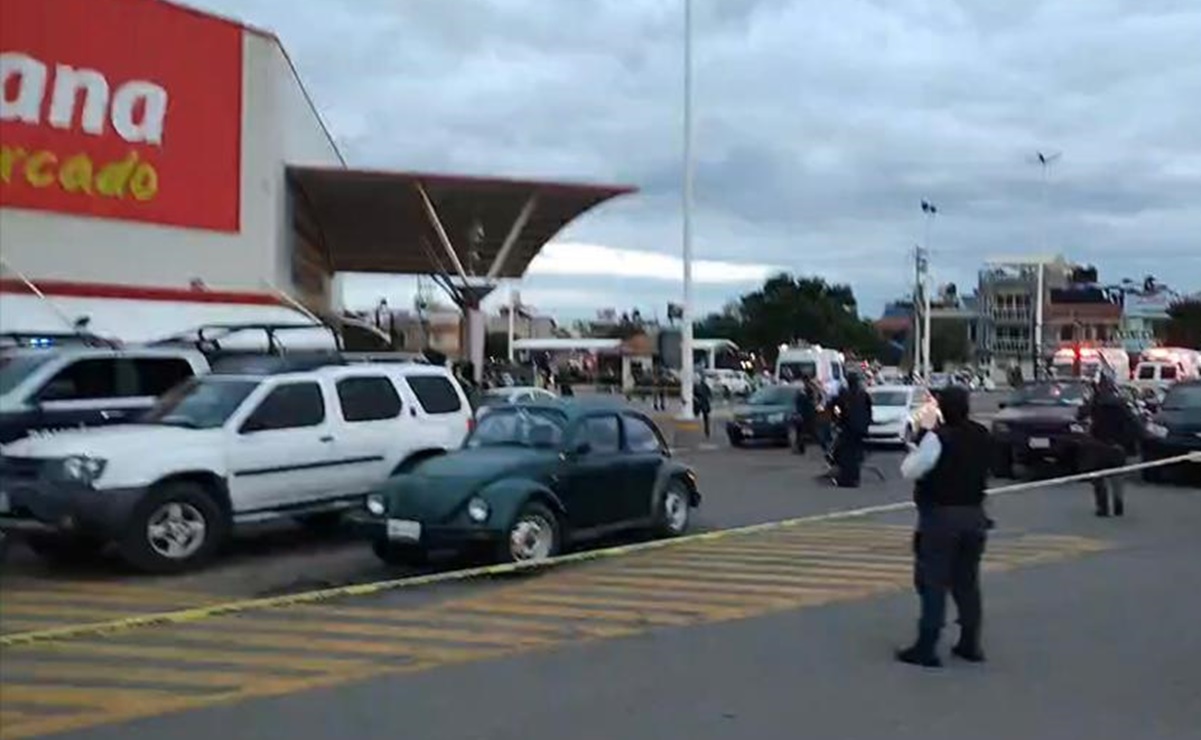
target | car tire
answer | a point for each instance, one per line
(675, 513)
(534, 535)
(177, 527)
(736, 440)
(399, 555)
(64, 549)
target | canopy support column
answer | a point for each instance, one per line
(511, 238)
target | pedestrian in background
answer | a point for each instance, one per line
(702, 402)
(1114, 432)
(950, 466)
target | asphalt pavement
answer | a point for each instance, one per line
(768, 634)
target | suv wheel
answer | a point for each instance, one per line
(177, 527)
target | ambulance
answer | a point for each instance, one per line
(1087, 362)
(1161, 367)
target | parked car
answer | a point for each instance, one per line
(532, 478)
(508, 395)
(45, 390)
(894, 412)
(768, 416)
(1175, 429)
(726, 382)
(228, 449)
(1039, 422)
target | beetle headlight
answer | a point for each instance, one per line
(375, 504)
(83, 469)
(477, 510)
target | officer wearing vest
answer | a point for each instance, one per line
(950, 467)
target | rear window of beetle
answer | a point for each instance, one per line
(435, 393)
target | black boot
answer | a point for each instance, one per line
(968, 648)
(923, 652)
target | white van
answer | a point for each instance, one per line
(795, 365)
(1160, 367)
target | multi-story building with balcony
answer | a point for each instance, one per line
(1008, 300)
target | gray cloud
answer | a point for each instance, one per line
(820, 125)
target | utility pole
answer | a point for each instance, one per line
(512, 321)
(1044, 160)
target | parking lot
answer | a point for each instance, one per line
(94, 683)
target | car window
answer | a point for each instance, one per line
(1146, 372)
(641, 436)
(435, 393)
(602, 433)
(1167, 372)
(288, 406)
(94, 378)
(836, 370)
(157, 375)
(368, 399)
(16, 368)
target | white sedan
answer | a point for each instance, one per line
(894, 412)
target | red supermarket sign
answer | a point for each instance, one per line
(123, 109)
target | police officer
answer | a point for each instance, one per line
(1114, 432)
(950, 465)
(702, 402)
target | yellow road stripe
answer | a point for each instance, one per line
(794, 565)
(51, 695)
(812, 575)
(566, 612)
(384, 631)
(310, 644)
(652, 604)
(144, 652)
(781, 590)
(67, 672)
(58, 611)
(790, 556)
(422, 616)
(709, 596)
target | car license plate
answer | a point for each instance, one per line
(403, 529)
(1040, 443)
(5, 506)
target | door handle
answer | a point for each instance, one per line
(107, 414)
(326, 438)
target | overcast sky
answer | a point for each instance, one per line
(820, 126)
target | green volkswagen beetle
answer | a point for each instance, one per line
(532, 478)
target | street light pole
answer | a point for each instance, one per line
(686, 380)
(930, 210)
(1045, 161)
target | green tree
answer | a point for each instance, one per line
(1184, 323)
(789, 308)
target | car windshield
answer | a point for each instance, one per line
(200, 403)
(890, 398)
(790, 371)
(16, 368)
(521, 427)
(1050, 394)
(1183, 397)
(772, 395)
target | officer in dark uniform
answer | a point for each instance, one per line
(1114, 432)
(950, 465)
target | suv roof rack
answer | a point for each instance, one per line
(207, 337)
(257, 363)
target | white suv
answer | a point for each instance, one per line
(225, 449)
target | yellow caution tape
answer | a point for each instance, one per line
(184, 616)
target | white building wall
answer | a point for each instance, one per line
(278, 126)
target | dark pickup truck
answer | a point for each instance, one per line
(1040, 423)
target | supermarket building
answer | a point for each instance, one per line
(187, 178)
